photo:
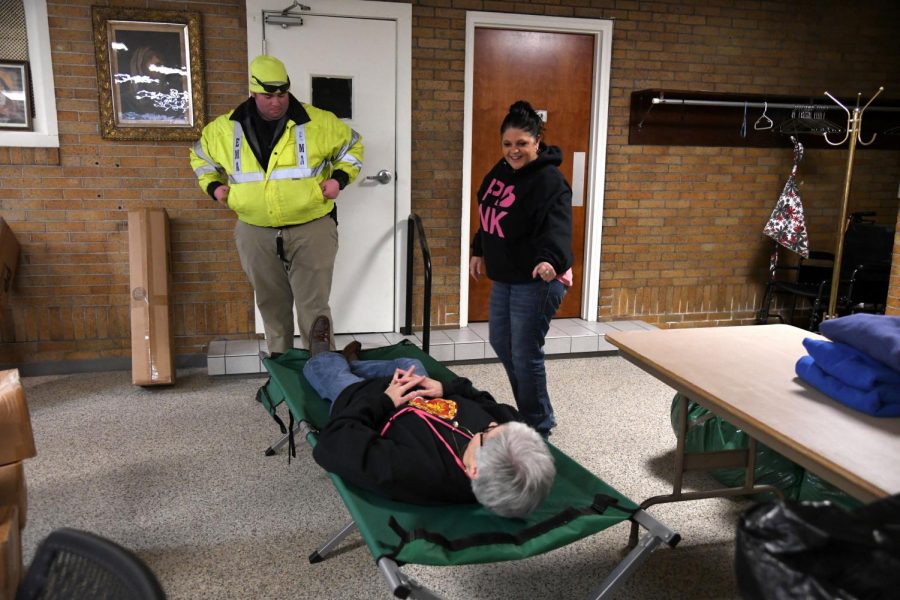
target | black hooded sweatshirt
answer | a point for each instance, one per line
(526, 218)
(409, 462)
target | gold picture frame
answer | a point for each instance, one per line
(149, 74)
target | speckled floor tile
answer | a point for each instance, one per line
(178, 475)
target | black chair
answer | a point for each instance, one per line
(808, 279)
(865, 275)
(77, 565)
(865, 290)
(865, 270)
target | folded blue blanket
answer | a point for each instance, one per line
(877, 336)
(883, 400)
(850, 365)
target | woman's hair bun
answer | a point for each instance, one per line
(522, 116)
(521, 106)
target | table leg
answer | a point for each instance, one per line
(691, 461)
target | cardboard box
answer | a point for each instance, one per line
(9, 258)
(152, 359)
(13, 491)
(10, 552)
(15, 422)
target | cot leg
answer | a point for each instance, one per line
(403, 586)
(657, 533)
(638, 555)
(271, 450)
(319, 555)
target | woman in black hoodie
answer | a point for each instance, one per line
(524, 245)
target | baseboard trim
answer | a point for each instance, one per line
(121, 363)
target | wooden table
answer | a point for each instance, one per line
(746, 376)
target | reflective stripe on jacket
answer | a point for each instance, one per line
(288, 192)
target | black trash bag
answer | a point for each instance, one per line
(817, 550)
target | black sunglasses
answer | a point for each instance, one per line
(274, 89)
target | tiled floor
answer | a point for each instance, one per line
(566, 336)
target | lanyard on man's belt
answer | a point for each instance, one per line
(279, 248)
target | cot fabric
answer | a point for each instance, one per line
(290, 385)
(580, 504)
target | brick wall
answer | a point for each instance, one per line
(69, 208)
(682, 242)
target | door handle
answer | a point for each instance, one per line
(383, 176)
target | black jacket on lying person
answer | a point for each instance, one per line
(409, 463)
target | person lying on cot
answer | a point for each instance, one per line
(397, 432)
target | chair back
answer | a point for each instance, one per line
(817, 268)
(866, 265)
(869, 286)
(77, 565)
(866, 244)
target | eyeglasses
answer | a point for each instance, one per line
(481, 433)
(274, 89)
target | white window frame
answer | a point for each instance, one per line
(45, 132)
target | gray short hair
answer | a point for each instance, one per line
(515, 471)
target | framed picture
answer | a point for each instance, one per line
(15, 95)
(149, 73)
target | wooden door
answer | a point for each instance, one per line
(554, 72)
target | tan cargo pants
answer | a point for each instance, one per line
(302, 279)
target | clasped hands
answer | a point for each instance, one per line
(331, 189)
(406, 385)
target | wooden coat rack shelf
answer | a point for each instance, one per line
(683, 118)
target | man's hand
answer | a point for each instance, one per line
(330, 188)
(403, 386)
(430, 388)
(221, 194)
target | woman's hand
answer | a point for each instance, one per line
(431, 388)
(476, 267)
(545, 271)
(401, 384)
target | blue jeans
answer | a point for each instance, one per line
(329, 373)
(519, 319)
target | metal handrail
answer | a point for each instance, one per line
(415, 223)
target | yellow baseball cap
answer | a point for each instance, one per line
(268, 75)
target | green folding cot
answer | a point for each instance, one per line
(580, 504)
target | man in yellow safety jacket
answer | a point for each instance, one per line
(279, 164)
